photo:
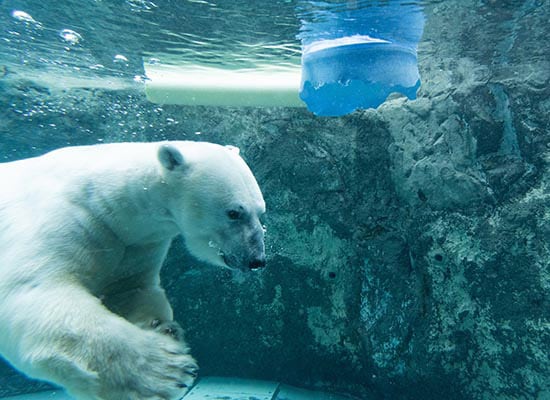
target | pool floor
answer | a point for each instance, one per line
(215, 388)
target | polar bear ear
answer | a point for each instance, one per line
(170, 157)
(233, 149)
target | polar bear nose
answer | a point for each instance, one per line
(257, 263)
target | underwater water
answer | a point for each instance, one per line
(407, 246)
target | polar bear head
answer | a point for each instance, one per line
(216, 203)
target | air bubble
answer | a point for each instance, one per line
(120, 58)
(24, 17)
(141, 5)
(70, 36)
(140, 79)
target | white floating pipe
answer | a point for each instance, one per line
(192, 85)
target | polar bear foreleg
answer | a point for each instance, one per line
(62, 334)
(147, 308)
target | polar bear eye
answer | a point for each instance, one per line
(233, 214)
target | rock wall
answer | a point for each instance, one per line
(408, 247)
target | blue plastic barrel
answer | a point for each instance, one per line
(356, 53)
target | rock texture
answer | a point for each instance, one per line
(408, 247)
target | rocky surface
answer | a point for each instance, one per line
(408, 247)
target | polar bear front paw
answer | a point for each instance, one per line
(157, 368)
(173, 359)
(169, 328)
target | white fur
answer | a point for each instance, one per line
(83, 234)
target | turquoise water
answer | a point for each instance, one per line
(115, 38)
(407, 246)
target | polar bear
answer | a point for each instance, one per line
(83, 234)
